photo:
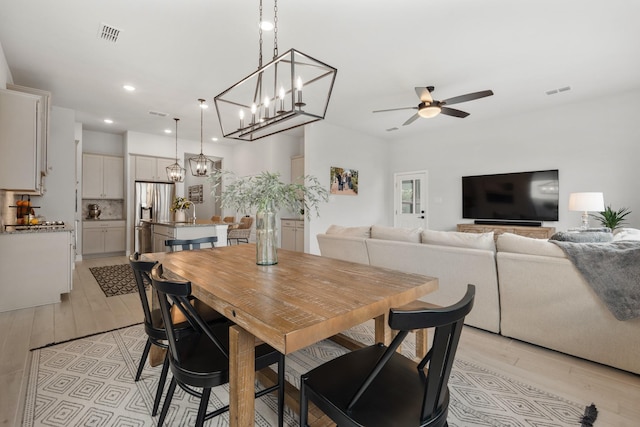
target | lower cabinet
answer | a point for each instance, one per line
(292, 234)
(103, 237)
(36, 268)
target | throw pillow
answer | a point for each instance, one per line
(364, 231)
(383, 232)
(626, 234)
(509, 242)
(582, 237)
(459, 239)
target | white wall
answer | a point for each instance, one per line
(594, 146)
(5, 72)
(328, 145)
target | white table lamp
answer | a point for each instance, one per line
(585, 203)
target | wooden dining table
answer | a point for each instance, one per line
(290, 305)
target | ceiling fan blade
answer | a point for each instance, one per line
(411, 119)
(424, 94)
(453, 112)
(467, 97)
(395, 109)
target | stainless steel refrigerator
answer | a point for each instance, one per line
(152, 203)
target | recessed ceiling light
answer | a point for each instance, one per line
(167, 131)
(266, 26)
(214, 139)
(108, 121)
(128, 88)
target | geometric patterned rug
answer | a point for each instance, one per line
(115, 279)
(89, 381)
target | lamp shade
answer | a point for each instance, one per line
(586, 202)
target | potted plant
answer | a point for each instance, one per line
(267, 194)
(178, 207)
(612, 219)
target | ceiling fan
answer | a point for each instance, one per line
(430, 107)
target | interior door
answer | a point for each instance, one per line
(410, 196)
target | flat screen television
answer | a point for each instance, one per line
(523, 196)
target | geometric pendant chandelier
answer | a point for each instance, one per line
(175, 172)
(290, 91)
(201, 165)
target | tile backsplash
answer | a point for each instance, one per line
(110, 209)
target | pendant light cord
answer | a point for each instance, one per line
(201, 123)
(176, 119)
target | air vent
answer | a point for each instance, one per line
(158, 113)
(562, 89)
(108, 33)
(391, 129)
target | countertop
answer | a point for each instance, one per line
(64, 229)
(198, 223)
(102, 219)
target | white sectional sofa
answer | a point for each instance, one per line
(525, 288)
(402, 249)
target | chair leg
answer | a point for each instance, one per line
(161, 382)
(143, 359)
(167, 402)
(202, 409)
(281, 385)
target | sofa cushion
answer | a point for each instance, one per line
(460, 240)
(364, 231)
(582, 237)
(509, 242)
(383, 232)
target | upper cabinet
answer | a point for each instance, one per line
(102, 177)
(152, 168)
(23, 141)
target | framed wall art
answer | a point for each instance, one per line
(343, 181)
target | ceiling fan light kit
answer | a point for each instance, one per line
(429, 108)
(290, 91)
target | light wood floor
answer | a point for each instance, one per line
(86, 311)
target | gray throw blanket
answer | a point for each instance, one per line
(612, 270)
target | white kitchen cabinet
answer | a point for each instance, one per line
(103, 237)
(152, 168)
(36, 268)
(44, 112)
(292, 234)
(102, 177)
(20, 141)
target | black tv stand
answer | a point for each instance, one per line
(513, 223)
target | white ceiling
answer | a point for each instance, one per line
(174, 52)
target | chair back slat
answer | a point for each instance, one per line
(141, 270)
(189, 244)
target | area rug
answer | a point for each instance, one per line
(89, 381)
(115, 279)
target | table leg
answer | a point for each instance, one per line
(383, 333)
(241, 377)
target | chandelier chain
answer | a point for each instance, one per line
(260, 38)
(201, 123)
(176, 119)
(275, 29)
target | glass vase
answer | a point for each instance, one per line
(266, 249)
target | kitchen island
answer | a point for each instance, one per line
(161, 231)
(36, 266)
